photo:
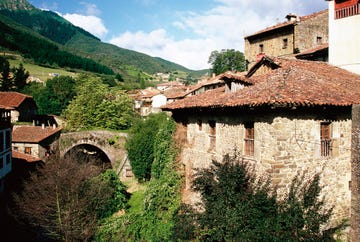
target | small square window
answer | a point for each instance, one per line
(28, 150)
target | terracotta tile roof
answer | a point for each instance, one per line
(27, 158)
(314, 50)
(12, 99)
(32, 134)
(170, 84)
(286, 23)
(294, 83)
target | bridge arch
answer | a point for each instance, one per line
(111, 144)
(89, 153)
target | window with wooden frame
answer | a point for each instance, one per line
(249, 139)
(325, 139)
(212, 134)
(28, 150)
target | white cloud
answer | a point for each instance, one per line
(90, 9)
(221, 27)
(92, 24)
(158, 43)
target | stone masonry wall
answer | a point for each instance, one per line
(307, 32)
(284, 146)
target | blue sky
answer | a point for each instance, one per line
(182, 31)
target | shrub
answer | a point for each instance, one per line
(239, 206)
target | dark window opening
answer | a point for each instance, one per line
(318, 40)
(199, 123)
(285, 43)
(261, 48)
(212, 135)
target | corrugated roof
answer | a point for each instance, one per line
(294, 83)
(32, 134)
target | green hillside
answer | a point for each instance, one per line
(57, 34)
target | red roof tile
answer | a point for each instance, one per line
(12, 99)
(32, 134)
(314, 50)
(287, 23)
(294, 83)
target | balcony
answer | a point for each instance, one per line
(347, 11)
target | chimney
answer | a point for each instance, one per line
(291, 17)
(43, 126)
(54, 126)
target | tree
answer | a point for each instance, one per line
(20, 77)
(64, 200)
(6, 79)
(227, 60)
(96, 105)
(140, 144)
(237, 205)
(58, 93)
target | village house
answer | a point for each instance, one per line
(285, 116)
(5, 146)
(23, 107)
(302, 37)
(35, 143)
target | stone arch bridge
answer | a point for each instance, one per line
(110, 144)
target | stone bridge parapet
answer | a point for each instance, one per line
(110, 142)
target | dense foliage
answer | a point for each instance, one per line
(239, 206)
(98, 106)
(227, 60)
(12, 79)
(56, 95)
(140, 144)
(64, 200)
(155, 219)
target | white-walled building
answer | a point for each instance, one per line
(344, 34)
(5, 145)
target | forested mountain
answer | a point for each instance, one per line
(48, 31)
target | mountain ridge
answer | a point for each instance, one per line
(80, 42)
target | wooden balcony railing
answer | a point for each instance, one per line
(347, 11)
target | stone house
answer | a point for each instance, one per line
(34, 143)
(23, 107)
(284, 116)
(287, 39)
